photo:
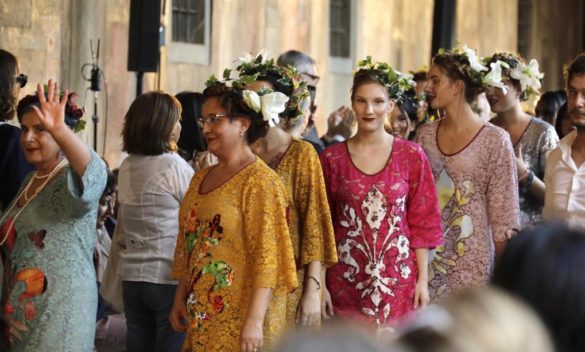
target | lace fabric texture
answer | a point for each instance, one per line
(310, 227)
(478, 196)
(49, 297)
(233, 240)
(379, 221)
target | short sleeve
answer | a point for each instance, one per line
(318, 239)
(423, 213)
(547, 143)
(179, 178)
(266, 233)
(88, 188)
(502, 189)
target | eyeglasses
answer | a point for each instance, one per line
(21, 79)
(313, 78)
(212, 119)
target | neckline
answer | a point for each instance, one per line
(523, 132)
(460, 150)
(293, 141)
(378, 172)
(224, 182)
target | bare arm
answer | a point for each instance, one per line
(52, 116)
(309, 309)
(252, 338)
(178, 315)
(421, 291)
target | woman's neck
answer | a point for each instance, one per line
(240, 156)
(459, 115)
(48, 166)
(371, 137)
(512, 117)
(275, 139)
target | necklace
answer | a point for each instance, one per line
(27, 200)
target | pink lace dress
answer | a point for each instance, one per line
(478, 194)
(379, 220)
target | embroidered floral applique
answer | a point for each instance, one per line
(201, 236)
(377, 281)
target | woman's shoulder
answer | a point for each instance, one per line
(335, 150)
(541, 126)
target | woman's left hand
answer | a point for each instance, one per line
(52, 111)
(309, 308)
(251, 337)
(421, 294)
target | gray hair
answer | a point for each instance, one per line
(299, 60)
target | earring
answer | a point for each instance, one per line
(241, 133)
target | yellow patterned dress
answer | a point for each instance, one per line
(232, 240)
(310, 227)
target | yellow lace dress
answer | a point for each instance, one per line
(232, 240)
(310, 227)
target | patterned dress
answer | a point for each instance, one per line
(478, 194)
(537, 141)
(49, 298)
(232, 240)
(310, 225)
(379, 220)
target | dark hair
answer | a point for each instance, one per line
(576, 67)
(191, 138)
(456, 69)
(73, 113)
(562, 115)
(408, 105)
(297, 59)
(8, 70)
(149, 122)
(363, 77)
(550, 102)
(232, 100)
(420, 76)
(544, 266)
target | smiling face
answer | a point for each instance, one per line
(371, 106)
(222, 133)
(40, 149)
(402, 125)
(440, 89)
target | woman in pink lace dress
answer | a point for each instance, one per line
(475, 172)
(385, 211)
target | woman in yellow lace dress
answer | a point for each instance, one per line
(233, 250)
(297, 164)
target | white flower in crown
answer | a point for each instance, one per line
(494, 77)
(246, 59)
(474, 61)
(273, 104)
(405, 81)
(528, 75)
(252, 99)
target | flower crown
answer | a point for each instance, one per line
(396, 82)
(284, 80)
(479, 73)
(511, 67)
(73, 113)
(265, 102)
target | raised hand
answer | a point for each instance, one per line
(52, 110)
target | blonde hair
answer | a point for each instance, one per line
(481, 320)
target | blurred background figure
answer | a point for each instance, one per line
(333, 337)
(563, 124)
(549, 104)
(401, 121)
(481, 320)
(12, 161)
(543, 266)
(481, 106)
(340, 126)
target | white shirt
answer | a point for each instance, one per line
(150, 192)
(564, 197)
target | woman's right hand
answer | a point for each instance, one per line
(326, 305)
(178, 315)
